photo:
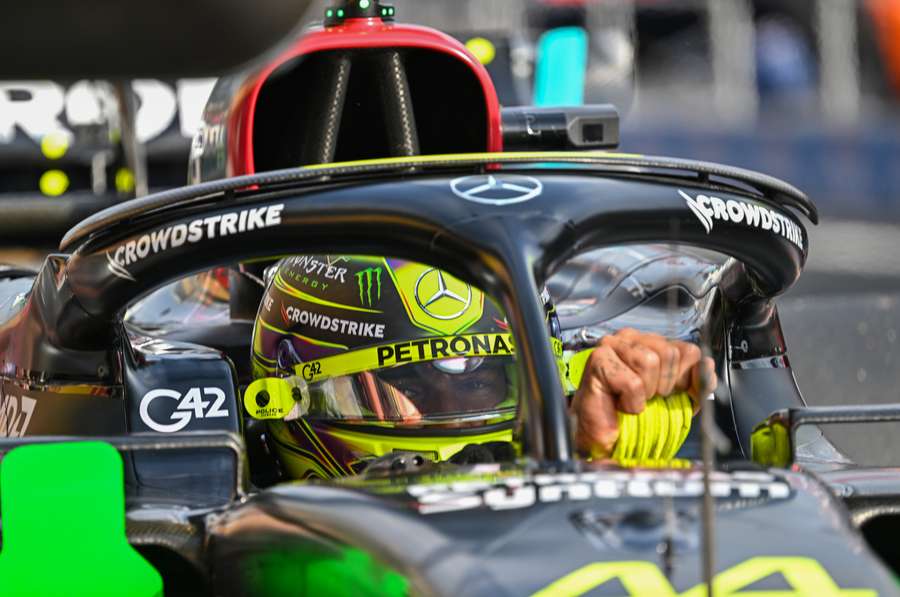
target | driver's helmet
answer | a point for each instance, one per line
(357, 359)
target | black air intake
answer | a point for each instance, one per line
(345, 105)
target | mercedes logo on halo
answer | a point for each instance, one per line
(442, 297)
(500, 189)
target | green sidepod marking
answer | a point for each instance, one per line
(64, 525)
(318, 570)
(805, 576)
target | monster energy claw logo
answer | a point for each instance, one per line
(367, 279)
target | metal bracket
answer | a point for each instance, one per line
(793, 418)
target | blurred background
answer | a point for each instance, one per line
(805, 90)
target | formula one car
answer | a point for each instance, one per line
(134, 337)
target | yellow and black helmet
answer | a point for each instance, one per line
(358, 357)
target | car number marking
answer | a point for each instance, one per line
(805, 576)
(15, 415)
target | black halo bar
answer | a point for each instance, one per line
(769, 188)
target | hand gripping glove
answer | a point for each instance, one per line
(653, 435)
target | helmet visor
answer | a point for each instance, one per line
(447, 392)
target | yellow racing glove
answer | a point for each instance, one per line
(652, 436)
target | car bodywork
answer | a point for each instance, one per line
(549, 523)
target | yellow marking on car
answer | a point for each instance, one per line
(497, 157)
(805, 576)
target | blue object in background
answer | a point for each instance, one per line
(849, 173)
(784, 62)
(561, 64)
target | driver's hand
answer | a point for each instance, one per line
(626, 370)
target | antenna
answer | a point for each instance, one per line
(357, 9)
(135, 156)
(707, 507)
(712, 440)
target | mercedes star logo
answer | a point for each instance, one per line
(502, 189)
(443, 303)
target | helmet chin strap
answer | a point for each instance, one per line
(397, 463)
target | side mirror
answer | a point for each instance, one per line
(774, 441)
(528, 128)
